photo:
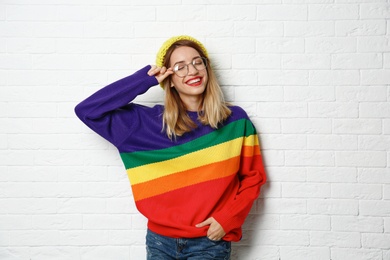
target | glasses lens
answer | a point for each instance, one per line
(199, 63)
(181, 69)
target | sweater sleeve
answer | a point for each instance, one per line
(103, 111)
(251, 176)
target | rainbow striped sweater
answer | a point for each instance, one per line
(179, 183)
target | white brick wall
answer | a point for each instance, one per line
(314, 76)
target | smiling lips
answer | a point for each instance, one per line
(194, 82)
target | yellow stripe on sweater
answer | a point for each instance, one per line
(199, 158)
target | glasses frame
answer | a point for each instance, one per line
(204, 60)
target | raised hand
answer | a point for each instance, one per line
(160, 73)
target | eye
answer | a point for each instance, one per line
(179, 67)
(198, 61)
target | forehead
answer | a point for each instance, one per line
(183, 54)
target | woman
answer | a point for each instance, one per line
(194, 164)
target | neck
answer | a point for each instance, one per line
(192, 103)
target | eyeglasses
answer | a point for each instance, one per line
(181, 69)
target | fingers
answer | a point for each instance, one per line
(204, 223)
(160, 73)
(215, 231)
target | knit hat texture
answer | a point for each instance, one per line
(167, 44)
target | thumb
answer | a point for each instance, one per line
(204, 223)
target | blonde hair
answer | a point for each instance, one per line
(214, 109)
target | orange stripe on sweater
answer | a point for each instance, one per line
(248, 151)
(186, 178)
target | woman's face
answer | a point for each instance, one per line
(194, 83)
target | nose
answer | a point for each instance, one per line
(192, 70)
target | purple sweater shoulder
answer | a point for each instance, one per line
(108, 111)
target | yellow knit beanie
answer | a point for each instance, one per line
(167, 44)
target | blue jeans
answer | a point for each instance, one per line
(165, 248)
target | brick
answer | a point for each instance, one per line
(14, 253)
(267, 125)
(334, 110)
(231, 45)
(374, 208)
(332, 142)
(305, 253)
(284, 77)
(360, 27)
(386, 192)
(361, 93)
(81, 174)
(132, 13)
(357, 126)
(357, 61)
(99, 189)
(330, 45)
(371, 175)
(229, 12)
(355, 253)
(280, 45)
(31, 45)
(15, 222)
(283, 206)
(356, 191)
(306, 61)
(304, 222)
(257, 61)
(333, 12)
(375, 77)
(254, 252)
(16, 61)
(34, 238)
(374, 110)
(258, 29)
(309, 29)
(59, 252)
(105, 252)
(361, 159)
(333, 207)
(386, 60)
(261, 222)
(283, 12)
(373, 44)
(282, 142)
(306, 190)
(57, 190)
(278, 237)
(374, 10)
(32, 12)
(374, 142)
(81, 205)
(127, 237)
(332, 175)
(281, 174)
(312, 93)
(83, 237)
(376, 240)
(386, 123)
(387, 225)
(306, 126)
(360, 224)
(281, 109)
(258, 93)
(107, 222)
(335, 239)
(334, 77)
(15, 190)
(273, 157)
(57, 222)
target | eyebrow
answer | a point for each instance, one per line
(182, 61)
